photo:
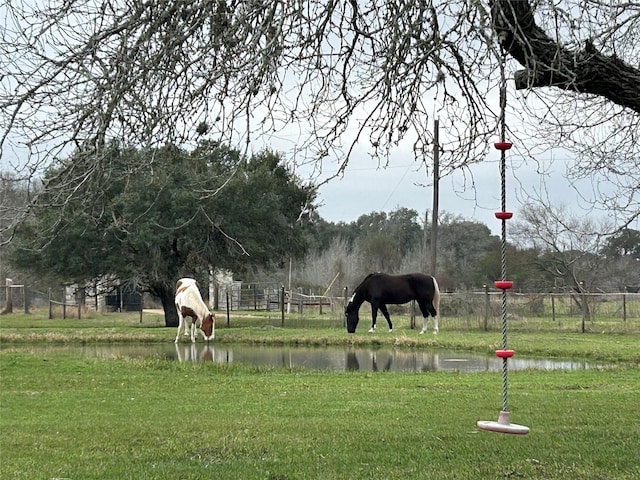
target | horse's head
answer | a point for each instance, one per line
(208, 326)
(351, 313)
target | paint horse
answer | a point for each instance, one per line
(381, 289)
(193, 313)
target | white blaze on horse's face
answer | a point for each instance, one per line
(352, 297)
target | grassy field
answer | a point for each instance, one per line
(67, 416)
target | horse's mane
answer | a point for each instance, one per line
(364, 280)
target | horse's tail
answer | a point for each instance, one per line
(436, 296)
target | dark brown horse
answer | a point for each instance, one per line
(381, 289)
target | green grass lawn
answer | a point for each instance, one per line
(68, 416)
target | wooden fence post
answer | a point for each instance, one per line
(9, 306)
(25, 290)
(346, 299)
(255, 298)
(282, 304)
(228, 314)
(487, 308)
(79, 302)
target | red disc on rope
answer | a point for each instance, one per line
(503, 284)
(504, 215)
(503, 145)
(504, 353)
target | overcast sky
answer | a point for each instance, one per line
(474, 194)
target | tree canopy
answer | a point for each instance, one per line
(160, 214)
(330, 75)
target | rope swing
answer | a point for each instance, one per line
(503, 425)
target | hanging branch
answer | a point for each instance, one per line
(548, 64)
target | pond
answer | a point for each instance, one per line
(331, 358)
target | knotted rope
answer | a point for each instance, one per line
(503, 243)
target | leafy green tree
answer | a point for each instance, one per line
(384, 239)
(321, 234)
(379, 253)
(462, 244)
(626, 242)
(14, 199)
(622, 252)
(405, 230)
(523, 268)
(151, 216)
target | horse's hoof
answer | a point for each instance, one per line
(422, 331)
(391, 330)
(371, 330)
(435, 332)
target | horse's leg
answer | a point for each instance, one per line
(199, 330)
(425, 321)
(425, 316)
(434, 314)
(192, 331)
(427, 310)
(374, 316)
(187, 326)
(180, 325)
(385, 312)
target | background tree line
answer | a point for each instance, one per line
(147, 217)
(539, 259)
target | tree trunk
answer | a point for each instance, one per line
(549, 64)
(167, 297)
(170, 312)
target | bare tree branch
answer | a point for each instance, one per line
(549, 64)
(330, 77)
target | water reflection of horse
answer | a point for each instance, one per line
(381, 289)
(352, 364)
(189, 353)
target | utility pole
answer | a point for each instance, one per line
(436, 182)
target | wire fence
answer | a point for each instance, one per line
(273, 304)
(561, 311)
(572, 311)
